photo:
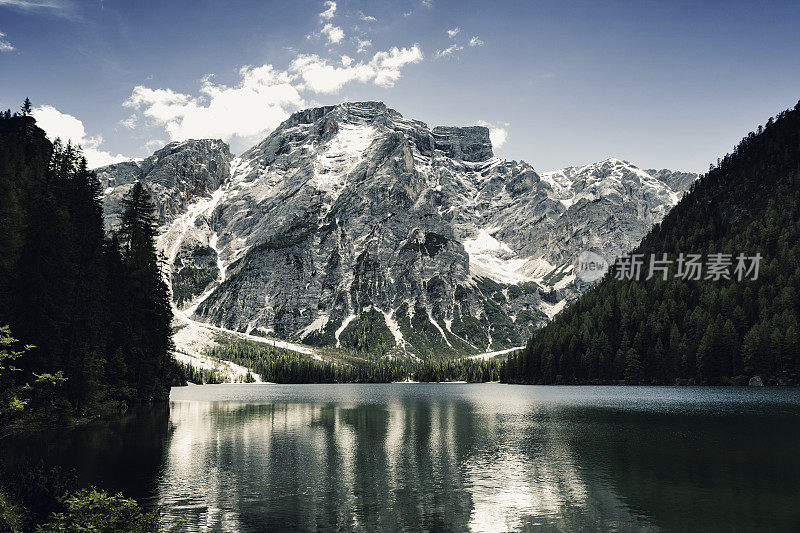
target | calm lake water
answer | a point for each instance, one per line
(452, 457)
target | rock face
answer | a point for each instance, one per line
(465, 144)
(352, 226)
(678, 181)
(519, 225)
(175, 175)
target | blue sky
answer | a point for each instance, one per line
(661, 84)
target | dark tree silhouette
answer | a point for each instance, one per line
(26, 107)
(94, 306)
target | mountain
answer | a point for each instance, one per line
(355, 227)
(174, 176)
(713, 330)
(606, 207)
(677, 181)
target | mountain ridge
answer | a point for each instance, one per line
(352, 217)
(680, 330)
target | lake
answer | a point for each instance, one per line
(451, 457)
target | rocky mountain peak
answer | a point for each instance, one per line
(175, 175)
(356, 113)
(353, 226)
(373, 119)
(465, 143)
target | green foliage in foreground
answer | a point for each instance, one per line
(95, 510)
(284, 366)
(14, 394)
(47, 500)
(31, 493)
(704, 332)
(12, 515)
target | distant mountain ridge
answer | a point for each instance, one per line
(725, 330)
(353, 226)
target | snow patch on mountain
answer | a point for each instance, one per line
(393, 326)
(493, 259)
(228, 371)
(351, 208)
(317, 325)
(341, 328)
(339, 156)
(552, 310)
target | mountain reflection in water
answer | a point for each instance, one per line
(483, 458)
(417, 457)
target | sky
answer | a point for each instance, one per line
(662, 84)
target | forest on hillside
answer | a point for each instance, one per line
(279, 365)
(85, 315)
(706, 331)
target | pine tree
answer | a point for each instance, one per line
(86, 342)
(148, 293)
(26, 107)
(41, 310)
(99, 319)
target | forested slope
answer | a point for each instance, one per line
(696, 331)
(94, 306)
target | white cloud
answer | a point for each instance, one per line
(329, 12)
(29, 5)
(263, 97)
(498, 134)
(366, 18)
(5, 46)
(334, 33)
(321, 77)
(452, 33)
(68, 128)
(130, 122)
(387, 64)
(427, 3)
(397, 57)
(58, 124)
(450, 50)
(257, 104)
(475, 41)
(154, 144)
(383, 69)
(363, 45)
(61, 8)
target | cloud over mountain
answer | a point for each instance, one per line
(70, 129)
(264, 95)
